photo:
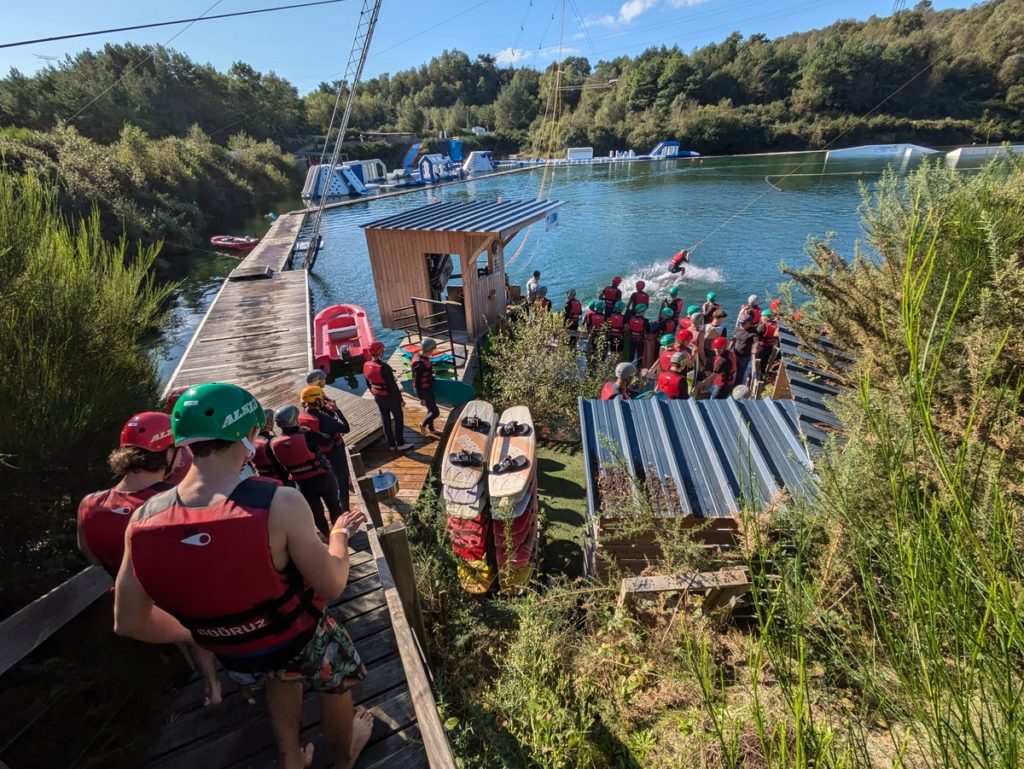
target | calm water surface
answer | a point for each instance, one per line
(618, 219)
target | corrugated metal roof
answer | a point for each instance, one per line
(719, 455)
(476, 216)
(813, 385)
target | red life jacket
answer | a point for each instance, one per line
(665, 359)
(672, 384)
(103, 518)
(182, 463)
(611, 294)
(263, 460)
(727, 375)
(617, 322)
(610, 392)
(668, 326)
(573, 311)
(545, 303)
(293, 452)
(678, 259)
(595, 320)
(424, 374)
(771, 334)
(373, 370)
(676, 305)
(754, 313)
(640, 297)
(311, 421)
(637, 327)
(211, 568)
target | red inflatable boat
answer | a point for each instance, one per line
(342, 336)
(234, 243)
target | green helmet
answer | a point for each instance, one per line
(619, 307)
(667, 312)
(692, 309)
(214, 411)
(674, 291)
(767, 314)
(666, 340)
(600, 305)
(712, 296)
(592, 305)
(640, 309)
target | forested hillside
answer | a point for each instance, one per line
(151, 150)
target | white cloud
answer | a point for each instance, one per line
(522, 56)
(686, 3)
(633, 8)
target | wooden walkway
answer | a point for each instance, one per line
(237, 734)
(256, 334)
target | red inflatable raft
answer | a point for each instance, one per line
(342, 336)
(234, 243)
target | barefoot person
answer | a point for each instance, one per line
(143, 461)
(238, 566)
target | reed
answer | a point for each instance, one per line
(72, 310)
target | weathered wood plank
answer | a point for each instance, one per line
(25, 630)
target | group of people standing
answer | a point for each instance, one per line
(211, 547)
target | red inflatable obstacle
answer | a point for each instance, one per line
(342, 336)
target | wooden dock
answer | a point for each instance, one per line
(257, 334)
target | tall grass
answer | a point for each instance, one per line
(72, 309)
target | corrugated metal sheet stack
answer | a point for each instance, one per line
(489, 479)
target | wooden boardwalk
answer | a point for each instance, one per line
(237, 734)
(256, 334)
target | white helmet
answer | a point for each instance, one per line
(752, 299)
(625, 371)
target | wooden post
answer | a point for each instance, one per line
(370, 500)
(395, 544)
(358, 466)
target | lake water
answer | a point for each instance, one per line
(618, 219)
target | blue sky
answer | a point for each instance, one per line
(311, 44)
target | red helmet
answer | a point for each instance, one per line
(685, 323)
(616, 280)
(683, 337)
(376, 348)
(172, 398)
(150, 430)
(640, 285)
(719, 343)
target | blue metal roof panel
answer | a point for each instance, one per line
(473, 216)
(813, 385)
(716, 454)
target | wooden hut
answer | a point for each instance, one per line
(449, 252)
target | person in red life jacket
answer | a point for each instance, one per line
(595, 323)
(751, 310)
(638, 297)
(676, 263)
(716, 328)
(183, 459)
(616, 328)
(619, 387)
(303, 453)
(266, 464)
(238, 567)
(673, 302)
(611, 295)
(572, 313)
(638, 329)
(723, 370)
(142, 460)
(667, 323)
(380, 378)
(334, 425)
(673, 381)
(317, 378)
(667, 345)
(709, 307)
(423, 383)
(542, 298)
(768, 332)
